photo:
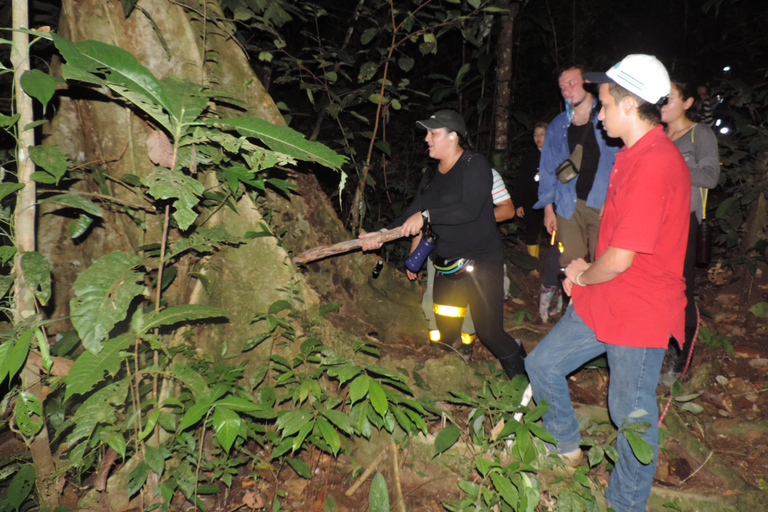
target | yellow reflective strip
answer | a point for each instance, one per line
(451, 311)
(434, 335)
(467, 339)
(560, 246)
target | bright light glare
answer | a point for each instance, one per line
(725, 130)
(718, 122)
(449, 311)
(727, 68)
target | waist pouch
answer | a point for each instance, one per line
(570, 168)
(452, 266)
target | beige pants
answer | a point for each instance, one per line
(579, 233)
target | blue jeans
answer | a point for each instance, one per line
(634, 375)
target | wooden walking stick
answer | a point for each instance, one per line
(356, 243)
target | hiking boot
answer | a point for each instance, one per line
(514, 364)
(572, 459)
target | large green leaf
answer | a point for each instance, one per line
(167, 184)
(378, 499)
(7, 189)
(20, 488)
(192, 380)
(37, 274)
(640, 446)
(137, 478)
(155, 459)
(329, 434)
(98, 63)
(52, 160)
(15, 356)
(103, 294)
(4, 348)
(292, 421)
(75, 201)
(28, 414)
(257, 410)
(194, 414)
(97, 408)
(505, 488)
(176, 314)
(40, 85)
(359, 388)
(301, 468)
(187, 100)
(446, 438)
(79, 226)
(89, 368)
(339, 419)
(378, 397)
(226, 425)
(284, 140)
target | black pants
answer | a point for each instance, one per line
(533, 220)
(482, 290)
(691, 318)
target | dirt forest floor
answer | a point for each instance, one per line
(715, 447)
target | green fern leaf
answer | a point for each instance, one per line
(89, 368)
(103, 294)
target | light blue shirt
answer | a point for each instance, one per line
(555, 152)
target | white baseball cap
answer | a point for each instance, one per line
(640, 74)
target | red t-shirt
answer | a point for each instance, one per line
(646, 211)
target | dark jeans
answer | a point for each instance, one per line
(481, 289)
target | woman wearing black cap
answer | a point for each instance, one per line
(454, 200)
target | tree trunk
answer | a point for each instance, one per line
(24, 229)
(248, 278)
(502, 103)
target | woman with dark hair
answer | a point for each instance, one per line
(455, 202)
(526, 191)
(698, 144)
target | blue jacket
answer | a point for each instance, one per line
(555, 152)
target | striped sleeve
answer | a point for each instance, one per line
(498, 190)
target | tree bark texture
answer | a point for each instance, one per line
(245, 280)
(502, 103)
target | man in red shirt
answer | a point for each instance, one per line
(631, 299)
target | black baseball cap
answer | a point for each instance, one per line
(449, 119)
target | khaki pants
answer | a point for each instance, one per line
(579, 233)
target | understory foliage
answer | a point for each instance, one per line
(357, 68)
(138, 393)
